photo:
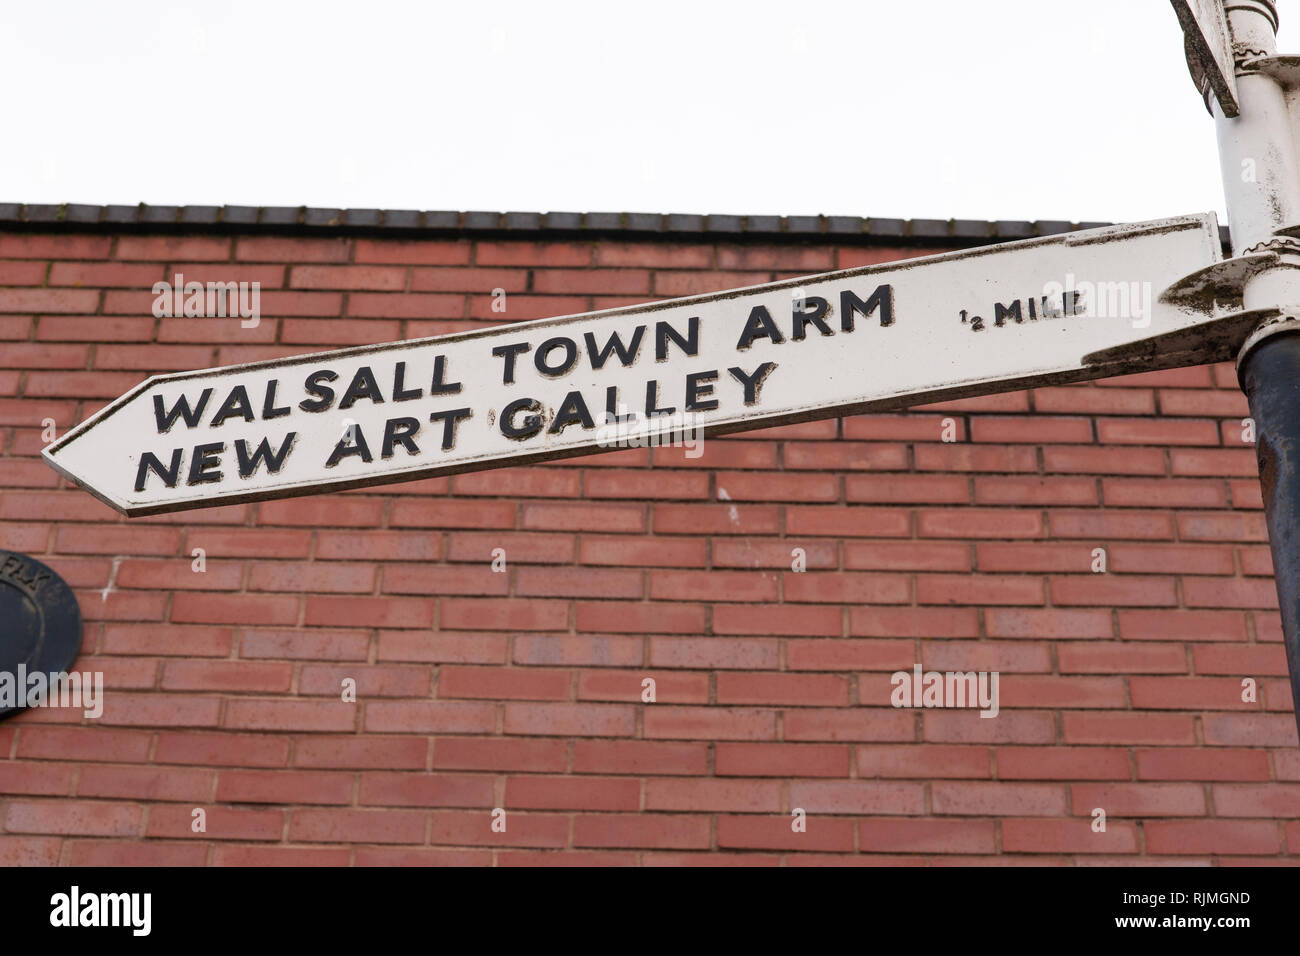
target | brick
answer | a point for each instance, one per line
(117, 853)
(1113, 590)
(73, 817)
(307, 645)
(221, 749)
(426, 790)
(773, 832)
(283, 786)
(29, 851)
(716, 723)
(272, 714)
(715, 653)
(791, 689)
(923, 761)
(1246, 837)
(495, 683)
(174, 248)
(979, 523)
(627, 685)
(645, 830)
(849, 724)
(913, 622)
(857, 797)
(1139, 625)
(743, 519)
(892, 835)
(1091, 400)
(776, 619)
(438, 252)
(840, 654)
(579, 720)
(607, 651)
(368, 612)
(1125, 728)
(357, 826)
(1139, 799)
(998, 799)
(1025, 490)
(1040, 428)
(1062, 763)
(1067, 836)
(498, 754)
(428, 717)
(639, 757)
(820, 520)
(514, 253)
(978, 589)
(37, 245)
(238, 676)
(359, 752)
(533, 792)
(1169, 492)
(966, 726)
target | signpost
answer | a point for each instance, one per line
(1209, 51)
(1058, 309)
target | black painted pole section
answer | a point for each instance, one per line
(1270, 377)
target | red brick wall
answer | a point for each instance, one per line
(522, 690)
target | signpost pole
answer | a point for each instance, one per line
(1261, 181)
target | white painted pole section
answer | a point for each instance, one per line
(1257, 155)
(1261, 172)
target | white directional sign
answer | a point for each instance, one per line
(1208, 45)
(883, 337)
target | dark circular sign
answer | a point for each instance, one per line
(40, 625)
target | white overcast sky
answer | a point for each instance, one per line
(980, 109)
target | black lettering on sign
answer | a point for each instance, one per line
(205, 463)
(1003, 312)
(400, 392)
(313, 386)
(652, 401)
(697, 388)
(759, 325)
(882, 299)
(573, 411)
(626, 353)
(611, 408)
(170, 474)
(451, 418)
(268, 406)
(400, 431)
(274, 460)
(809, 310)
(166, 419)
(440, 387)
(363, 385)
(540, 359)
(508, 352)
(236, 404)
(752, 383)
(346, 449)
(689, 345)
(532, 423)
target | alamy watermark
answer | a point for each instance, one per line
(55, 689)
(1102, 300)
(946, 689)
(208, 300)
(668, 429)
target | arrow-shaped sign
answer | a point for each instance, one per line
(1050, 310)
(1207, 44)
